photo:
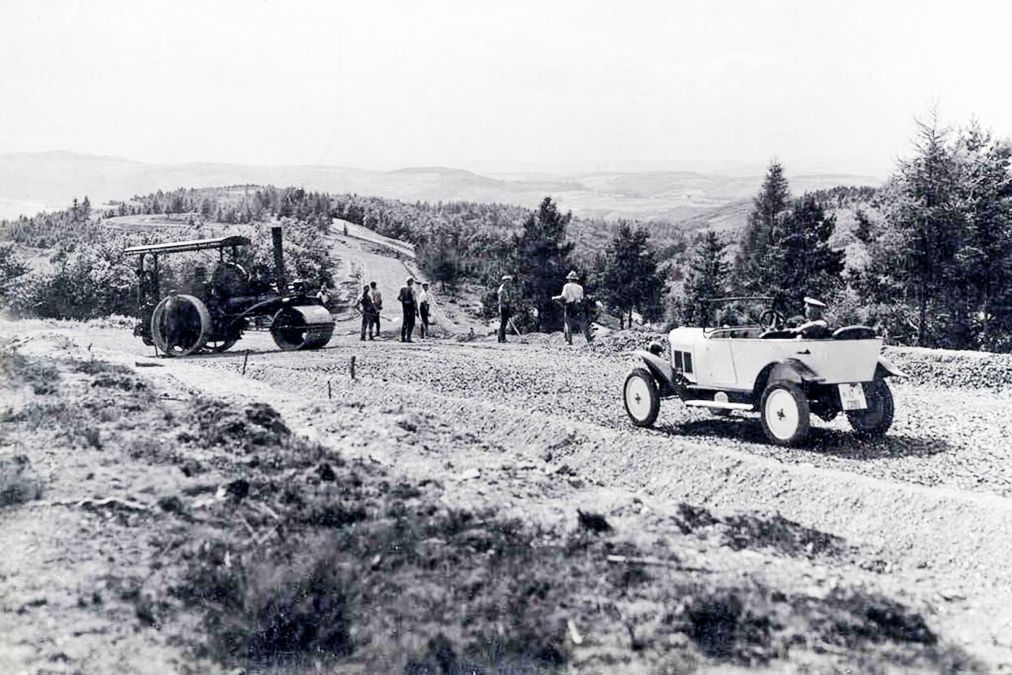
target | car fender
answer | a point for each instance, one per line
(659, 367)
(885, 368)
(788, 370)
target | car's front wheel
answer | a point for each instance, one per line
(641, 398)
(785, 413)
(876, 419)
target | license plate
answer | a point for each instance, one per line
(852, 397)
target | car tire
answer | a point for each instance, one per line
(641, 398)
(785, 414)
(876, 419)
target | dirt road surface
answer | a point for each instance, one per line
(363, 256)
(538, 430)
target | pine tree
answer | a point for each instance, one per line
(804, 262)
(631, 280)
(543, 261)
(707, 279)
(769, 208)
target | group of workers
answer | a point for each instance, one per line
(414, 299)
(575, 316)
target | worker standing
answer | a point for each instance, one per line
(505, 299)
(574, 311)
(409, 306)
(365, 305)
(423, 310)
(377, 305)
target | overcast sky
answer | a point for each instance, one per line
(499, 85)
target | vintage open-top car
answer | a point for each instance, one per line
(783, 374)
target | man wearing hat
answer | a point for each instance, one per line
(573, 310)
(505, 298)
(814, 325)
(409, 305)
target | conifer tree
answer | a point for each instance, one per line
(631, 279)
(769, 208)
(543, 261)
(707, 279)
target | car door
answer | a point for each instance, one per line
(714, 365)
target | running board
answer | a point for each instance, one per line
(719, 405)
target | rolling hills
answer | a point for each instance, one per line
(33, 181)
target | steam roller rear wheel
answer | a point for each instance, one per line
(302, 327)
(180, 325)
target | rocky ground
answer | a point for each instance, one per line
(466, 505)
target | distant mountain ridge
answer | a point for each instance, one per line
(35, 181)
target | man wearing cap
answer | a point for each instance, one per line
(409, 305)
(505, 298)
(814, 325)
(573, 310)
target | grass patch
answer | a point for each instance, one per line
(18, 482)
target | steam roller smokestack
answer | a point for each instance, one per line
(279, 261)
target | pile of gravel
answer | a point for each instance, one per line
(946, 368)
(624, 341)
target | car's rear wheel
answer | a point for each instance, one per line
(876, 419)
(785, 413)
(641, 398)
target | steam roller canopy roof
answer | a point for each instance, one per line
(194, 245)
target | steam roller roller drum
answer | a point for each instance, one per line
(302, 327)
(180, 325)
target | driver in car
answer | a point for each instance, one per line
(814, 326)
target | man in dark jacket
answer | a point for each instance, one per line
(365, 305)
(505, 301)
(409, 305)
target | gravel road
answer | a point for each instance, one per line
(931, 499)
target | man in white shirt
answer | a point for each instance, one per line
(423, 309)
(573, 307)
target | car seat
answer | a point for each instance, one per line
(854, 333)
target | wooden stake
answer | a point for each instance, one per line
(244, 360)
(353, 366)
(330, 393)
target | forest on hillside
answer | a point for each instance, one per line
(926, 258)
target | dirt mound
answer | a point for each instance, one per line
(214, 423)
(625, 341)
(945, 368)
(750, 531)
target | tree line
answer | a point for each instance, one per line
(931, 263)
(937, 269)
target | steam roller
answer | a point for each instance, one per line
(210, 314)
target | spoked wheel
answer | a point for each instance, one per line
(876, 419)
(642, 401)
(303, 327)
(785, 413)
(180, 325)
